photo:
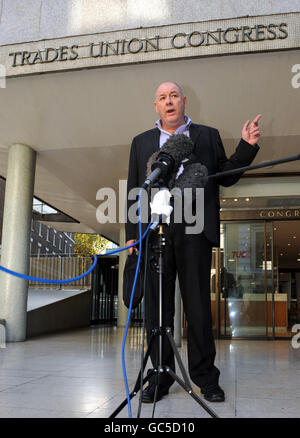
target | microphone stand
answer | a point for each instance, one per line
(162, 332)
(255, 166)
(158, 334)
(166, 332)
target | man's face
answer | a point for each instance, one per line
(170, 105)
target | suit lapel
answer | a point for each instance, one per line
(195, 131)
(150, 144)
(155, 140)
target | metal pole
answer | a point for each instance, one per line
(177, 317)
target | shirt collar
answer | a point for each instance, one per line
(179, 130)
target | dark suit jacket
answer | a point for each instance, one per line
(209, 151)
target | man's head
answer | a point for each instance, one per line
(170, 105)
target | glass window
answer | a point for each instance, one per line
(242, 280)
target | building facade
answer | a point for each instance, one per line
(44, 240)
(78, 86)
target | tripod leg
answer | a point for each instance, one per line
(191, 393)
(155, 399)
(137, 385)
(131, 395)
(178, 358)
(185, 384)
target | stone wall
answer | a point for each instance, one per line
(33, 20)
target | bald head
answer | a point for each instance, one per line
(170, 105)
(172, 84)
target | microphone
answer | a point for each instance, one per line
(194, 176)
(169, 158)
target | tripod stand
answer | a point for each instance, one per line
(159, 334)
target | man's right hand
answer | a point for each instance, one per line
(130, 242)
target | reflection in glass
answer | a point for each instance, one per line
(242, 280)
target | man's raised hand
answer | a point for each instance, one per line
(250, 132)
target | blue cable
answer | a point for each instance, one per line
(49, 280)
(69, 280)
(130, 307)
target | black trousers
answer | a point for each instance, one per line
(190, 257)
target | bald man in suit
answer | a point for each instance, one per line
(188, 255)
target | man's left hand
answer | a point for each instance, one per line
(250, 132)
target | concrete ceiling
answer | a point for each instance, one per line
(81, 123)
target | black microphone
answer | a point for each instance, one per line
(194, 176)
(169, 158)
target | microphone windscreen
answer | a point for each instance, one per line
(194, 176)
(151, 160)
(178, 147)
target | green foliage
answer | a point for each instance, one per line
(89, 244)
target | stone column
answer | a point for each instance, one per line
(122, 309)
(16, 231)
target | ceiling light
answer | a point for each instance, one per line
(235, 199)
(247, 199)
(289, 244)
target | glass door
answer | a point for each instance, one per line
(285, 300)
(270, 267)
(245, 271)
